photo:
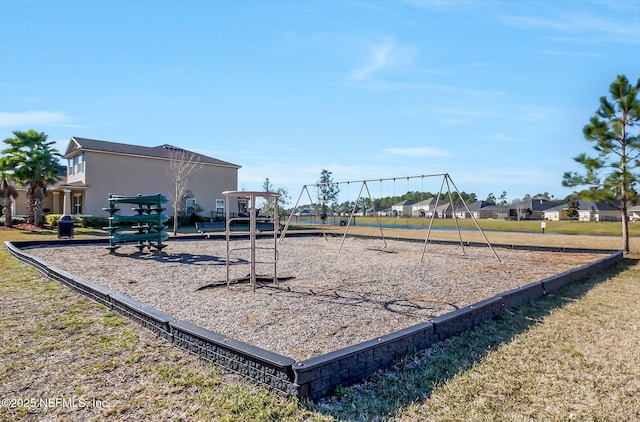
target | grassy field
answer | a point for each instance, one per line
(569, 356)
(533, 226)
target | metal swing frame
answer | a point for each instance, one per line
(446, 178)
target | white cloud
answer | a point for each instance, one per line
(379, 57)
(417, 152)
(32, 118)
(383, 56)
(578, 22)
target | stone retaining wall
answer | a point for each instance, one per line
(318, 376)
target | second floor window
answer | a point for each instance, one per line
(76, 164)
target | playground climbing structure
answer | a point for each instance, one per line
(146, 225)
(248, 226)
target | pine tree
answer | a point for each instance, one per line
(611, 175)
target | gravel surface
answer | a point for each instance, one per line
(326, 299)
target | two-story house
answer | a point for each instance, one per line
(96, 169)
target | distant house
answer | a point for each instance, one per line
(424, 208)
(557, 213)
(377, 210)
(402, 208)
(496, 212)
(306, 213)
(385, 212)
(97, 168)
(472, 210)
(444, 210)
(432, 207)
(587, 211)
(634, 213)
(531, 209)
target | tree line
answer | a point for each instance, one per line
(328, 193)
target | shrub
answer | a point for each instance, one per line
(193, 219)
(95, 222)
(189, 220)
(52, 219)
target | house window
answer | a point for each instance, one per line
(190, 205)
(77, 203)
(76, 164)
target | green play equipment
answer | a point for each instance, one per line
(147, 228)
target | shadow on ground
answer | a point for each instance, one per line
(413, 380)
(182, 258)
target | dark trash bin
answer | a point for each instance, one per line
(65, 227)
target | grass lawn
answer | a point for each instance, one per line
(571, 355)
(565, 227)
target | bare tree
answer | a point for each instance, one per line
(182, 164)
(268, 206)
(327, 192)
(521, 209)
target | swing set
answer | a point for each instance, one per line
(446, 179)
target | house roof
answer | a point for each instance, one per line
(585, 205)
(427, 201)
(535, 204)
(403, 203)
(474, 206)
(557, 208)
(162, 151)
(495, 208)
(443, 206)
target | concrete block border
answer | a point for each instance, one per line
(319, 376)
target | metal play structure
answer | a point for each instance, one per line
(249, 225)
(147, 228)
(446, 179)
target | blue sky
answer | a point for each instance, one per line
(495, 93)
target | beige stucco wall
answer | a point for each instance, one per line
(129, 175)
(556, 215)
(20, 204)
(608, 215)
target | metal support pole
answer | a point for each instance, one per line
(252, 231)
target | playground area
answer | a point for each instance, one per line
(328, 296)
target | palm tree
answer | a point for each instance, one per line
(8, 194)
(36, 193)
(33, 161)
